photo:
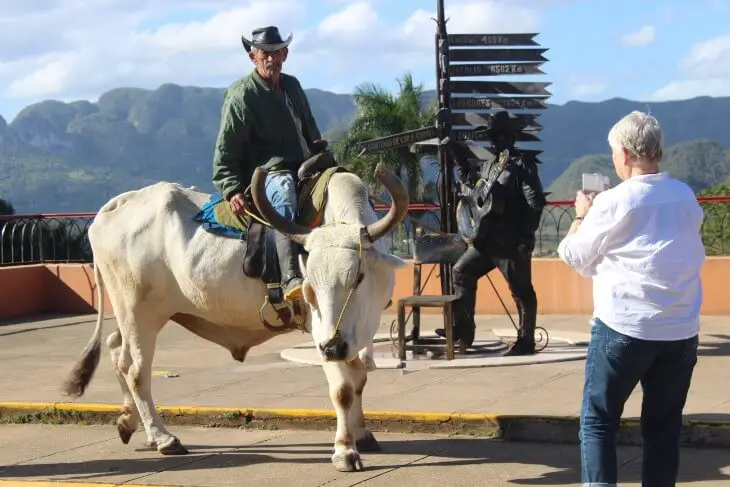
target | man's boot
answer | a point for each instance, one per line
(525, 344)
(291, 280)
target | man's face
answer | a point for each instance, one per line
(269, 63)
(501, 141)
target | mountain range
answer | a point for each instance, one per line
(71, 157)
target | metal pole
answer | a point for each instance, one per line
(442, 92)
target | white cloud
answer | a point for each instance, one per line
(582, 87)
(358, 38)
(587, 90)
(88, 50)
(705, 71)
(352, 22)
(69, 49)
(681, 90)
(708, 59)
(47, 80)
(641, 37)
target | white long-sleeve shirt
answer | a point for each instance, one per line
(641, 244)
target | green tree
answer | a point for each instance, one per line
(716, 224)
(6, 207)
(380, 113)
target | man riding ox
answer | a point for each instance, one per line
(266, 121)
(158, 264)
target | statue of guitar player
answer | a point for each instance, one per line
(504, 234)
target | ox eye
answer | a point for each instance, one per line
(360, 277)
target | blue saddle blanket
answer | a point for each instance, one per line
(207, 216)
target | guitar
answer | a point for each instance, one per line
(477, 203)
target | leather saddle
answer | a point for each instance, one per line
(261, 259)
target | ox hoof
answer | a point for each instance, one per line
(173, 448)
(348, 461)
(124, 433)
(367, 443)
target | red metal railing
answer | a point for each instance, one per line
(62, 237)
(378, 207)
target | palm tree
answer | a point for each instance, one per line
(380, 113)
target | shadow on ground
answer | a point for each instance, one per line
(563, 460)
(721, 348)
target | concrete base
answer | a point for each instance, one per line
(486, 352)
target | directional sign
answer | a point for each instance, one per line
(500, 87)
(459, 70)
(491, 39)
(525, 154)
(474, 151)
(462, 135)
(496, 102)
(496, 55)
(397, 140)
(521, 121)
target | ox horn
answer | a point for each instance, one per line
(398, 209)
(293, 230)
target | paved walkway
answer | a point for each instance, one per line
(37, 355)
(229, 457)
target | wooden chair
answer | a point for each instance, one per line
(429, 248)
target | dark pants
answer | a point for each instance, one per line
(516, 267)
(614, 365)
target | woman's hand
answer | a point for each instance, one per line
(583, 202)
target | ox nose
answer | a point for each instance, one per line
(335, 349)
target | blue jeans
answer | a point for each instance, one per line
(614, 365)
(281, 190)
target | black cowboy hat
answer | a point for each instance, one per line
(500, 123)
(266, 39)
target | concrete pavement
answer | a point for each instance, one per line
(37, 354)
(188, 371)
(93, 455)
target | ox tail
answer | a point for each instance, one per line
(80, 376)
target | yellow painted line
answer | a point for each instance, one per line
(88, 408)
(53, 483)
(42, 406)
(393, 416)
(255, 412)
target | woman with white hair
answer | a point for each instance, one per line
(640, 242)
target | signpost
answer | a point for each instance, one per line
(494, 69)
(397, 140)
(465, 103)
(499, 103)
(524, 121)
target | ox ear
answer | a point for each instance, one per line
(309, 295)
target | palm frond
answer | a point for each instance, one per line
(380, 113)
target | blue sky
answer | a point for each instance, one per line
(72, 49)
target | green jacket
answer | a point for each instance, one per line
(257, 129)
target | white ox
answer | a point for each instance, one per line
(159, 265)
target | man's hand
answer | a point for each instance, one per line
(319, 146)
(505, 178)
(238, 204)
(583, 202)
